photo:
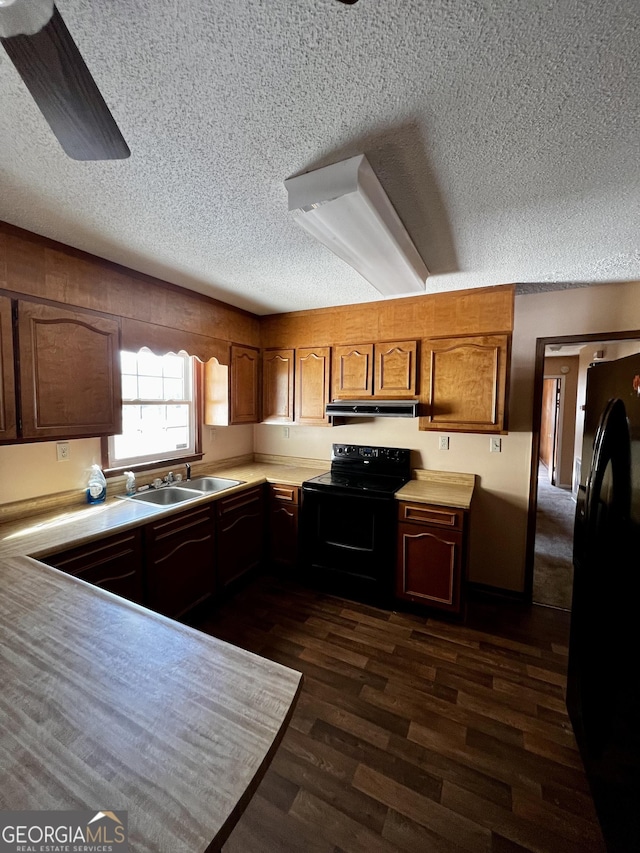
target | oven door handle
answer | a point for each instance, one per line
(339, 493)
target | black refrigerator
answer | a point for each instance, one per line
(603, 693)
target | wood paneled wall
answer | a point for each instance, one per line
(37, 266)
(486, 310)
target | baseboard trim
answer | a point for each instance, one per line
(485, 592)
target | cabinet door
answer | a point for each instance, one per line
(114, 563)
(313, 375)
(69, 373)
(429, 566)
(353, 371)
(277, 386)
(464, 383)
(396, 369)
(283, 524)
(245, 368)
(7, 376)
(239, 534)
(180, 561)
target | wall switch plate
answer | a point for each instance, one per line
(495, 445)
(285, 432)
(443, 443)
(62, 451)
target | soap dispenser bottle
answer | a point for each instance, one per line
(96, 486)
(130, 483)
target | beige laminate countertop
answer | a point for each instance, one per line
(57, 530)
(442, 488)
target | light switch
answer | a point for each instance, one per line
(495, 445)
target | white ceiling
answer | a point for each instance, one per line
(505, 132)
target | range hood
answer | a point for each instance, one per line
(373, 408)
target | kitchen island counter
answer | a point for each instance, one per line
(107, 705)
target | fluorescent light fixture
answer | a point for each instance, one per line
(345, 207)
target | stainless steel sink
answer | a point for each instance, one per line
(166, 496)
(211, 484)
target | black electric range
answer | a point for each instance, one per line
(348, 521)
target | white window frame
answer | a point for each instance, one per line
(148, 460)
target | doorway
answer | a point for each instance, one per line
(552, 388)
(556, 463)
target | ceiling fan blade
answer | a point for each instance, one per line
(60, 83)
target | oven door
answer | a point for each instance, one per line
(348, 542)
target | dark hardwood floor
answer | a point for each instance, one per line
(413, 734)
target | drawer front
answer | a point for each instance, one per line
(239, 501)
(95, 554)
(179, 523)
(114, 563)
(285, 494)
(453, 519)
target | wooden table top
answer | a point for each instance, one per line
(106, 705)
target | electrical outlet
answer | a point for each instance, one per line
(495, 445)
(62, 451)
(285, 432)
(443, 443)
(212, 433)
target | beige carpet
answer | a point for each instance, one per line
(553, 564)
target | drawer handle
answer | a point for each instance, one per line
(450, 519)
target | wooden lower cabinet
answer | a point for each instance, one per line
(239, 534)
(180, 561)
(282, 525)
(114, 563)
(431, 560)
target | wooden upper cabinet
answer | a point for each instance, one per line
(396, 369)
(353, 372)
(8, 429)
(465, 383)
(313, 376)
(245, 385)
(277, 385)
(69, 372)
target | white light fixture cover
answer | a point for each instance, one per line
(345, 207)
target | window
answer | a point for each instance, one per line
(158, 410)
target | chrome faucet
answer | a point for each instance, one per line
(188, 467)
(169, 477)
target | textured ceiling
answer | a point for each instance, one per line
(505, 132)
